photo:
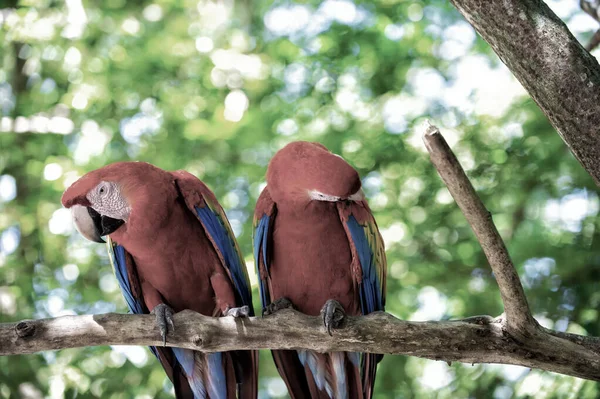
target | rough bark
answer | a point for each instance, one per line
(480, 339)
(519, 319)
(559, 74)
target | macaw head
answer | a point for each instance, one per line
(304, 171)
(107, 200)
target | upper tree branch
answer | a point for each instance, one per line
(559, 74)
(591, 8)
(479, 339)
(518, 316)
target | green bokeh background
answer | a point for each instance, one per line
(216, 89)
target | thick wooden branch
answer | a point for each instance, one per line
(519, 322)
(480, 339)
(559, 74)
(518, 315)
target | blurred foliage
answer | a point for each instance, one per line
(216, 89)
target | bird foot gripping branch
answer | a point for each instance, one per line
(242, 311)
(333, 315)
(164, 319)
(277, 305)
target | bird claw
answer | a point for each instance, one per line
(279, 304)
(164, 320)
(242, 311)
(333, 314)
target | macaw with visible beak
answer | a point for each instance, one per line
(318, 249)
(172, 248)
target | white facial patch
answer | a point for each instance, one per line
(107, 200)
(318, 196)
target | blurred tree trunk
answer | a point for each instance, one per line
(27, 185)
(24, 206)
(559, 74)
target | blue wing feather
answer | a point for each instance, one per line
(227, 247)
(371, 255)
(117, 255)
(260, 245)
(371, 298)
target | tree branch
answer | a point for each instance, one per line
(559, 74)
(480, 339)
(591, 8)
(519, 319)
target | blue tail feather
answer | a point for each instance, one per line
(339, 371)
(329, 371)
(216, 383)
(205, 373)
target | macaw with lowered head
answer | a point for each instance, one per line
(317, 248)
(172, 248)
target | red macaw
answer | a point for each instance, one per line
(172, 248)
(317, 248)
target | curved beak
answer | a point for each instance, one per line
(85, 224)
(92, 225)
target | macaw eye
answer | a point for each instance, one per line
(103, 189)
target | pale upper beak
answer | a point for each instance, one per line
(85, 224)
(92, 225)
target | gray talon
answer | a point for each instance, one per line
(333, 314)
(164, 320)
(279, 304)
(242, 311)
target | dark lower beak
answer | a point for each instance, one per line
(104, 224)
(109, 225)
